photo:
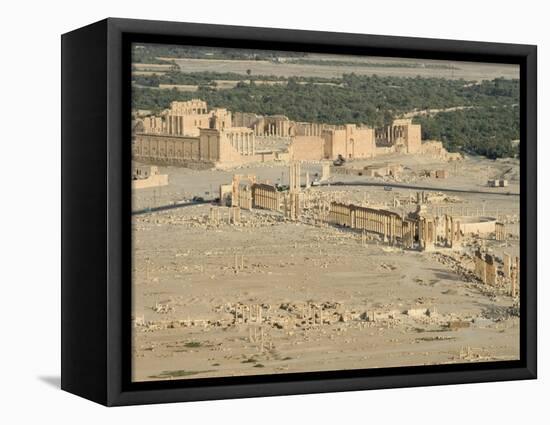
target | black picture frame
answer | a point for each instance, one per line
(96, 275)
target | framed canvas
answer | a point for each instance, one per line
(254, 211)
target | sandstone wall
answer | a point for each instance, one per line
(307, 148)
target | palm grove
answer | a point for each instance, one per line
(480, 118)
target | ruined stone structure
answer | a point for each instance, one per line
(418, 230)
(477, 225)
(325, 171)
(435, 149)
(220, 119)
(387, 224)
(514, 278)
(148, 177)
(294, 204)
(309, 128)
(166, 149)
(235, 215)
(238, 199)
(513, 283)
(441, 174)
(480, 266)
(485, 268)
(211, 147)
(382, 170)
(351, 142)
(426, 233)
(490, 270)
(409, 233)
(307, 148)
(244, 119)
(214, 217)
(402, 135)
(497, 183)
(264, 126)
(244, 313)
(245, 197)
(340, 214)
(507, 265)
(294, 176)
(453, 234)
(241, 139)
(426, 225)
(181, 119)
(189, 134)
(266, 196)
(274, 125)
(500, 231)
(226, 191)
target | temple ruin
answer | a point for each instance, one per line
(189, 134)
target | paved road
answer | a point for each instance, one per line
(170, 207)
(352, 183)
(406, 186)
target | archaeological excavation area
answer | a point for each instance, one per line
(298, 266)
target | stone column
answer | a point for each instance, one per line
(514, 275)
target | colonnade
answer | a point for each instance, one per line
(242, 141)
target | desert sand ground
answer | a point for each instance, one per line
(327, 301)
(471, 71)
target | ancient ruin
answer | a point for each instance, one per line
(189, 134)
(148, 177)
(267, 245)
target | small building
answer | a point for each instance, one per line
(497, 183)
(441, 174)
(435, 174)
(383, 170)
(147, 177)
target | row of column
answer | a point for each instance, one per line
(244, 143)
(278, 129)
(179, 109)
(426, 233)
(312, 129)
(387, 224)
(266, 198)
(500, 231)
(174, 124)
(408, 233)
(245, 198)
(294, 176)
(340, 214)
(294, 207)
(153, 125)
(248, 313)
